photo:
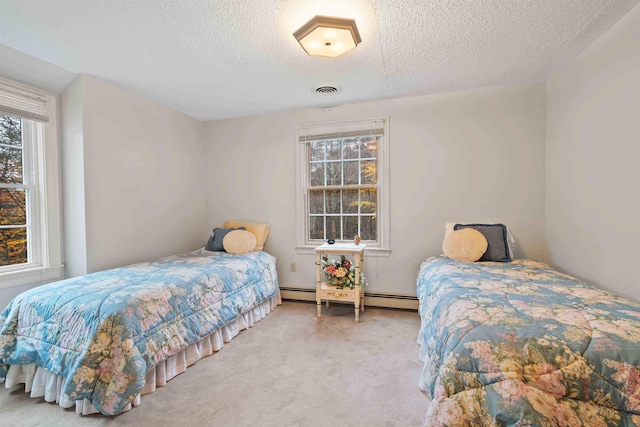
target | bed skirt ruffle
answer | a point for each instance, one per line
(43, 383)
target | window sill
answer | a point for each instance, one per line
(27, 276)
(372, 251)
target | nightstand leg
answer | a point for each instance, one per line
(327, 303)
(318, 283)
(357, 291)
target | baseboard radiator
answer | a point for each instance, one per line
(370, 299)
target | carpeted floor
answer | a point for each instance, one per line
(288, 370)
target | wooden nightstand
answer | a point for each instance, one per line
(328, 292)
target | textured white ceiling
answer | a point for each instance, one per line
(216, 59)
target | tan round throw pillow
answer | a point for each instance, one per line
(239, 242)
(466, 245)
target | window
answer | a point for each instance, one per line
(18, 236)
(343, 183)
(29, 195)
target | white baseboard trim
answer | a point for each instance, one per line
(370, 299)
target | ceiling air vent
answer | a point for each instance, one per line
(326, 90)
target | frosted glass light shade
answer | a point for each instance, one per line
(328, 36)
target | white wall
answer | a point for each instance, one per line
(592, 173)
(472, 156)
(73, 203)
(137, 170)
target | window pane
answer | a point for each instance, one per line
(369, 173)
(316, 150)
(334, 149)
(316, 228)
(350, 201)
(334, 173)
(13, 246)
(350, 226)
(333, 202)
(11, 157)
(10, 131)
(368, 229)
(316, 174)
(351, 173)
(369, 148)
(368, 201)
(13, 206)
(350, 150)
(341, 212)
(10, 165)
(333, 227)
(316, 202)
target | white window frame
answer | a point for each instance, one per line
(44, 220)
(307, 131)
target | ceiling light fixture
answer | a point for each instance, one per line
(328, 36)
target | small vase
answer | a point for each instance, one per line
(356, 239)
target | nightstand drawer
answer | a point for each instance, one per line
(337, 294)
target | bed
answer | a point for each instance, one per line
(518, 343)
(100, 341)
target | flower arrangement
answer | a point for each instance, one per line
(341, 273)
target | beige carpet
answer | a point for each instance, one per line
(288, 370)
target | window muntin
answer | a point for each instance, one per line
(342, 191)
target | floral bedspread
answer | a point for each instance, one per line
(521, 344)
(102, 332)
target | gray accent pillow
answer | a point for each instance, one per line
(496, 235)
(215, 241)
